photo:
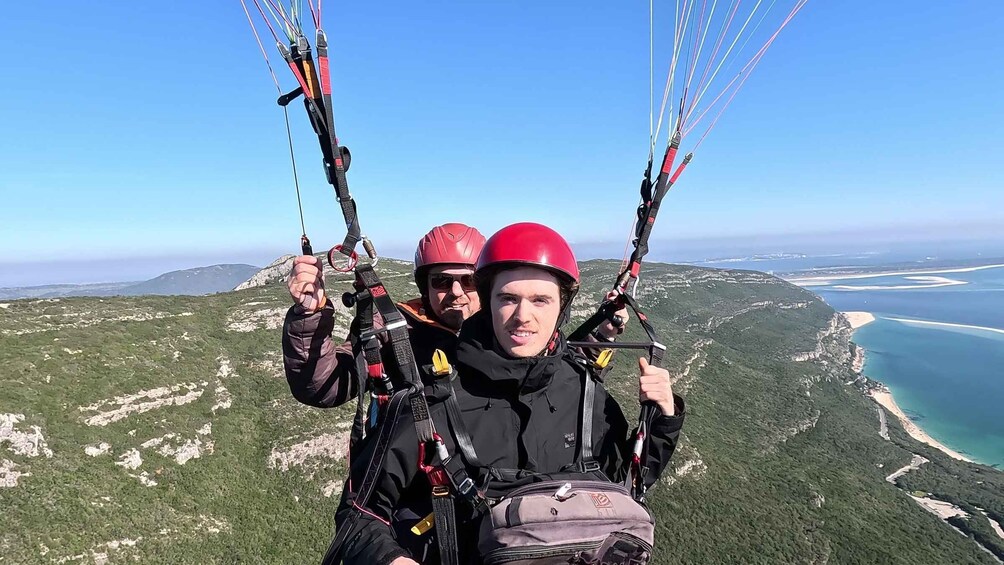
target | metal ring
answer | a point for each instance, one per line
(351, 260)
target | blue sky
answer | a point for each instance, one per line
(142, 137)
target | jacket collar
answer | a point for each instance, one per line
(414, 310)
(484, 366)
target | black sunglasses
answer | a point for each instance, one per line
(443, 281)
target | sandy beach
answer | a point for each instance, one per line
(858, 319)
(885, 399)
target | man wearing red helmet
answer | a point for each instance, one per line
(322, 374)
(508, 416)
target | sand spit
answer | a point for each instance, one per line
(858, 319)
(825, 279)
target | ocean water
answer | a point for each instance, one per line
(938, 344)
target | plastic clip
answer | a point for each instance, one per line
(603, 359)
(440, 366)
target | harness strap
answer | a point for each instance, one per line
(394, 325)
(463, 439)
(463, 484)
(359, 419)
(586, 435)
(373, 469)
(446, 525)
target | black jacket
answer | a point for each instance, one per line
(522, 414)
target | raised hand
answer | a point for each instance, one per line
(306, 283)
(654, 386)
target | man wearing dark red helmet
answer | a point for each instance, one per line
(322, 374)
(508, 416)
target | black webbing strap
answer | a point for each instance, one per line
(424, 429)
(395, 326)
(463, 484)
(359, 420)
(445, 515)
(602, 314)
(369, 482)
(586, 434)
(460, 434)
(335, 167)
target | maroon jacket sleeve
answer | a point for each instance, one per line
(319, 372)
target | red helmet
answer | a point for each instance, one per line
(531, 245)
(448, 244)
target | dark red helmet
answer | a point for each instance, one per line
(448, 244)
(531, 245)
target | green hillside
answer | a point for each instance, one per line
(161, 430)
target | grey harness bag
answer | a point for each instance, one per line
(557, 522)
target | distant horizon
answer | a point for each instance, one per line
(112, 270)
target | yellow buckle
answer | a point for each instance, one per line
(603, 359)
(424, 525)
(440, 366)
(440, 490)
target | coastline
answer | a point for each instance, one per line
(883, 396)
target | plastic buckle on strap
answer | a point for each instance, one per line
(603, 359)
(465, 487)
(470, 493)
(440, 366)
(590, 466)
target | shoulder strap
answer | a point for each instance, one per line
(396, 328)
(586, 415)
(368, 484)
(445, 515)
(455, 418)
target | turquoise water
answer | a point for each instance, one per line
(948, 379)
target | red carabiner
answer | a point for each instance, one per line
(436, 474)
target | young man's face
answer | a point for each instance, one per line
(526, 304)
(452, 295)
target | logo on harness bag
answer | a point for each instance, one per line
(570, 439)
(378, 291)
(601, 500)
